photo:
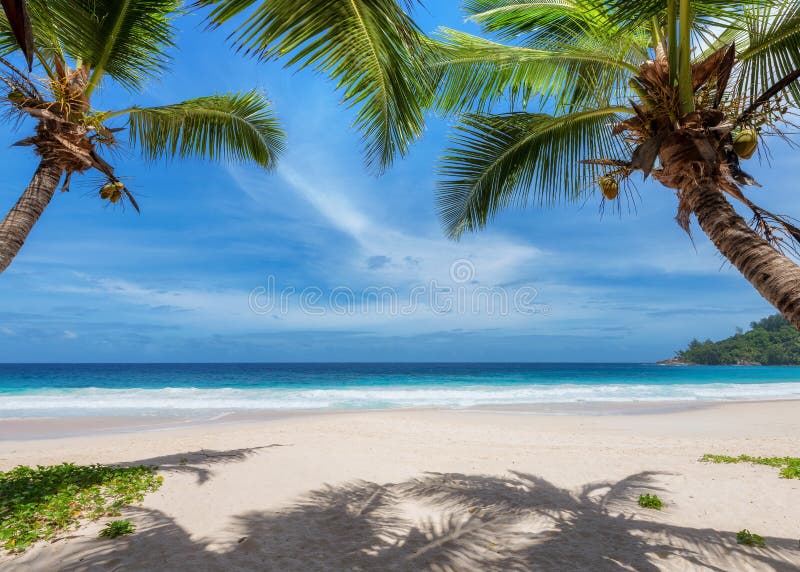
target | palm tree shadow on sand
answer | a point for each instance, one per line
(199, 462)
(444, 523)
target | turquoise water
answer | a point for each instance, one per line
(112, 389)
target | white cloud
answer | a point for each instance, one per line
(407, 258)
(414, 257)
(333, 206)
(70, 335)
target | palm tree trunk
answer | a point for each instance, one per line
(774, 275)
(20, 220)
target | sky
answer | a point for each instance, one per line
(322, 260)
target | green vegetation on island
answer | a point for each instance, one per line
(771, 341)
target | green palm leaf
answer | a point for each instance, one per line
(232, 126)
(499, 160)
(8, 43)
(370, 47)
(475, 73)
(543, 22)
(769, 49)
(125, 39)
(708, 15)
(539, 22)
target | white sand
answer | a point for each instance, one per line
(443, 491)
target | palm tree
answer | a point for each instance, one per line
(569, 93)
(77, 45)
(372, 49)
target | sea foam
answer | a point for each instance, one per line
(104, 401)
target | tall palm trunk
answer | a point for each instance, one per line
(774, 275)
(20, 220)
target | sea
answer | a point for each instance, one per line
(68, 390)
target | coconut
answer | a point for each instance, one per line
(106, 191)
(609, 186)
(745, 143)
(112, 191)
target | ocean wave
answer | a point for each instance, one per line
(182, 399)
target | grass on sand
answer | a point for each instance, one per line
(789, 466)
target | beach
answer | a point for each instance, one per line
(420, 305)
(445, 490)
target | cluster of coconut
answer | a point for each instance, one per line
(745, 144)
(112, 191)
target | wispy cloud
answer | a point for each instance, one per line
(405, 257)
(332, 205)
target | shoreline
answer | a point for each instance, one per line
(379, 490)
(49, 428)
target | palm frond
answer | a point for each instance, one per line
(707, 15)
(230, 127)
(8, 43)
(125, 39)
(769, 50)
(546, 22)
(537, 22)
(725, 37)
(499, 160)
(475, 73)
(371, 48)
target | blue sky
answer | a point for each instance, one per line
(189, 279)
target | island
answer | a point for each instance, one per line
(770, 341)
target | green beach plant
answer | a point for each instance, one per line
(117, 528)
(749, 538)
(650, 501)
(789, 466)
(80, 45)
(40, 503)
(563, 98)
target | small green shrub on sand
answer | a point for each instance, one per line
(789, 466)
(650, 501)
(792, 470)
(39, 503)
(117, 528)
(749, 538)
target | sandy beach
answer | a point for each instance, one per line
(439, 490)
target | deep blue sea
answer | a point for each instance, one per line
(51, 390)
